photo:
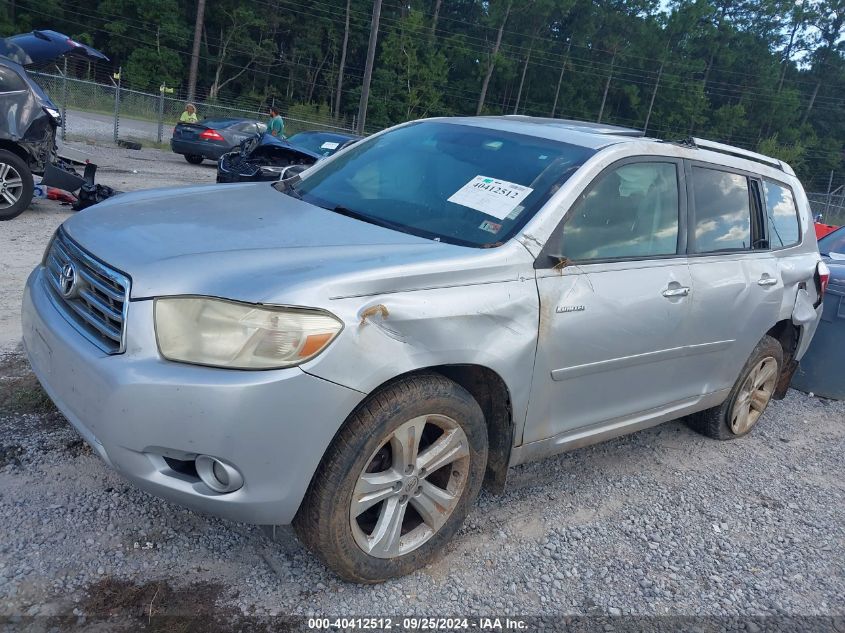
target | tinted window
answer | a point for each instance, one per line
(10, 81)
(722, 211)
(631, 211)
(782, 214)
(248, 127)
(463, 184)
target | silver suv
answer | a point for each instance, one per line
(354, 350)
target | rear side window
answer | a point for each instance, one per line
(631, 211)
(782, 214)
(722, 211)
(10, 81)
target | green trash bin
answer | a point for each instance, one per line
(822, 370)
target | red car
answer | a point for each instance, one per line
(824, 229)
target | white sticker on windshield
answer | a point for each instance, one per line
(491, 196)
(329, 145)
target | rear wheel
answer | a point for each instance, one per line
(16, 186)
(397, 482)
(194, 159)
(749, 397)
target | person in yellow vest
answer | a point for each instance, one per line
(189, 115)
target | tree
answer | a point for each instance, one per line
(411, 75)
(240, 43)
(491, 61)
(342, 60)
(195, 51)
(368, 69)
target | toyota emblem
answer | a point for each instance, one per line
(68, 281)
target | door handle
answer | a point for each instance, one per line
(681, 291)
(767, 281)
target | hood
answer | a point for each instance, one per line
(252, 243)
(40, 47)
(267, 145)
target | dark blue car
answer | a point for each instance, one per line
(269, 158)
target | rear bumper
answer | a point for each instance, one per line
(136, 408)
(206, 149)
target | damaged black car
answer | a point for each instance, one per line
(30, 119)
(267, 158)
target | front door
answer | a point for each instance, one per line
(615, 300)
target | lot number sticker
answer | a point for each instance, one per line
(329, 145)
(491, 196)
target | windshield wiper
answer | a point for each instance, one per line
(357, 215)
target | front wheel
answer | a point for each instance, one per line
(194, 159)
(749, 397)
(397, 482)
(16, 185)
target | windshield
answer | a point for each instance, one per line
(456, 183)
(833, 242)
(324, 144)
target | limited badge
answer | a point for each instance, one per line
(490, 227)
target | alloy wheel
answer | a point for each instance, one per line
(11, 186)
(410, 486)
(754, 395)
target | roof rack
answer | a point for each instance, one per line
(713, 146)
(573, 124)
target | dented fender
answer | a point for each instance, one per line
(494, 325)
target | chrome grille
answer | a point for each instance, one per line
(93, 297)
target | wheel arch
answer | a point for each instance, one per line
(491, 393)
(17, 150)
(788, 335)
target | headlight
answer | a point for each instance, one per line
(55, 114)
(225, 333)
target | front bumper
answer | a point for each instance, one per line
(230, 168)
(135, 408)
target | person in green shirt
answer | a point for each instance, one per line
(276, 124)
(189, 115)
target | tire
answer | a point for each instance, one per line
(727, 422)
(16, 186)
(342, 528)
(194, 159)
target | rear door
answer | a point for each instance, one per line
(615, 312)
(738, 285)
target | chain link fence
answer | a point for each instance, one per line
(830, 206)
(103, 112)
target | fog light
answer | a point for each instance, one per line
(218, 475)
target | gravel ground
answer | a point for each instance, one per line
(663, 522)
(22, 240)
(101, 127)
(660, 522)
